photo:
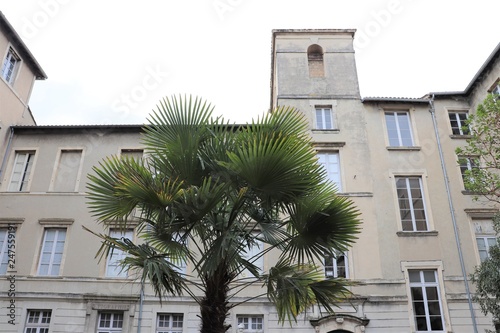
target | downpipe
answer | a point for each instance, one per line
(452, 212)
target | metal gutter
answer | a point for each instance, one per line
(452, 213)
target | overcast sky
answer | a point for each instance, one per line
(111, 61)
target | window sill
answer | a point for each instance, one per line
(401, 148)
(325, 131)
(455, 136)
(417, 233)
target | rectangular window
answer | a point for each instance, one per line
(169, 323)
(113, 267)
(38, 321)
(411, 203)
(467, 163)
(252, 323)
(325, 119)
(457, 122)
(110, 322)
(4, 249)
(331, 163)
(426, 300)
(52, 252)
(253, 254)
(68, 170)
(10, 65)
(484, 243)
(336, 266)
(399, 129)
(21, 171)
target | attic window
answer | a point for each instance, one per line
(315, 61)
(10, 65)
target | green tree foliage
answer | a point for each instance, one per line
(483, 180)
(486, 277)
(225, 190)
(483, 149)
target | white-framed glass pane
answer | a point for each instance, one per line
(336, 266)
(324, 118)
(169, 323)
(411, 203)
(113, 267)
(398, 129)
(110, 322)
(52, 251)
(426, 301)
(9, 66)
(21, 171)
(38, 321)
(330, 161)
(251, 323)
(458, 123)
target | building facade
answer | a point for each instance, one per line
(394, 157)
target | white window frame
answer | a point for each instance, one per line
(256, 248)
(400, 116)
(26, 167)
(112, 321)
(10, 66)
(321, 113)
(38, 321)
(468, 165)
(332, 271)
(113, 268)
(454, 116)
(59, 237)
(423, 286)
(4, 248)
(487, 239)
(330, 161)
(250, 323)
(171, 319)
(410, 201)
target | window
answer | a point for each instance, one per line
(399, 129)
(467, 163)
(7, 241)
(250, 324)
(496, 90)
(331, 163)
(169, 323)
(21, 171)
(254, 250)
(325, 119)
(52, 252)
(426, 300)
(110, 322)
(68, 170)
(411, 203)
(458, 123)
(10, 65)
(484, 243)
(336, 266)
(38, 321)
(113, 267)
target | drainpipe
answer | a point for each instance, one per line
(141, 301)
(9, 142)
(452, 212)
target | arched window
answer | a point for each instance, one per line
(315, 61)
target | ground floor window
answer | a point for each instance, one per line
(169, 323)
(426, 300)
(253, 323)
(38, 321)
(110, 322)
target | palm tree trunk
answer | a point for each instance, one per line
(214, 306)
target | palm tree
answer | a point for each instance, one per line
(226, 190)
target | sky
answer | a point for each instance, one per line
(110, 62)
